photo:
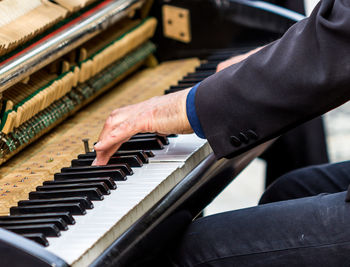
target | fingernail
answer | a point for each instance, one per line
(97, 145)
(94, 162)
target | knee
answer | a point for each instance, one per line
(284, 188)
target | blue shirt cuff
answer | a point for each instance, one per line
(192, 114)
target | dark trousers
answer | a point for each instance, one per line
(302, 220)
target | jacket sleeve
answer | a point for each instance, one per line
(296, 78)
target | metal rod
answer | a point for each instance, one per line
(53, 48)
(86, 145)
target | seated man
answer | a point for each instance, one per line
(290, 81)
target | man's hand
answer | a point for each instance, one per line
(233, 60)
(162, 115)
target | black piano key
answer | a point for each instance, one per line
(149, 153)
(38, 238)
(59, 222)
(178, 87)
(47, 229)
(162, 138)
(84, 201)
(66, 216)
(201, 74)
(115, 174)
(124, 167)
(145, 143)
(100, 185)
(73, 208)
(206, 68)
(133, 161)
(140, 153)
(190, 80)
(91, 193)
(107, 180)
(186, 84)
(169, 91)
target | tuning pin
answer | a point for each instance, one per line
(86, 145)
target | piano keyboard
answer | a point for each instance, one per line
(100, 226)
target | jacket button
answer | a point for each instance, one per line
(235, 141)
(252, 134)
(243, 137)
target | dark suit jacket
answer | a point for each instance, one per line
(294, 79)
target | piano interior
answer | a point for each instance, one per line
(64, 66)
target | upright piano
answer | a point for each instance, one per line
(64, 66)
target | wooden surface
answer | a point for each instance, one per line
(55, 150)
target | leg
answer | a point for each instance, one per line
(309, 181)
(311, 231)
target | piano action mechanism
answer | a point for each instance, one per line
(56, 215)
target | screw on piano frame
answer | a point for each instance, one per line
(86, 145)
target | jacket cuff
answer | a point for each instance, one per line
(192, 114)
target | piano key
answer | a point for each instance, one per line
(124, 167)
(150, 154)
(133, 161)
(178, 87)
(162, 138)
(115, 174)
(186, 84)
(73, 208)
(190, 80)
(100, 185)
(66, 216)
(169, 91)
(145, 143)
(140, 153)
(47, 229)
(207, 68)
(107, 180)
(202, 74)
(59, 222)
(90, 193)
(84, 201)
(38, 238)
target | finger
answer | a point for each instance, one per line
(103, 156)
(107, 127)
(115, 118)
(107, 146)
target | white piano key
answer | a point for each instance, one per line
(96, 230)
